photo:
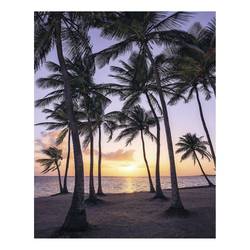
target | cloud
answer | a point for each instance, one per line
(119, 155)
(110, 159)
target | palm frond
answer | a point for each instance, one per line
(61, 136)
(103, 57)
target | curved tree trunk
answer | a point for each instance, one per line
(152, 190)
(99, 190)
(209, 182)
(159, 193)
(65, 188)
(59, 177)
(92, 195)
(76, 219)
(176, 203)
(205, 126)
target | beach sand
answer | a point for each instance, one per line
(134, 215)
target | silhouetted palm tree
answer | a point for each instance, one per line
(51, 28)
(136, 80)
(60, 121)
(143, 29)
(102, 120)
(191, 145)
(136, 121)
(193, 68)
(92, 117)
(87, 129)
(52, 163)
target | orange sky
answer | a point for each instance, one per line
(119, 160)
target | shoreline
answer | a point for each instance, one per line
(132, 215)
(166, 189)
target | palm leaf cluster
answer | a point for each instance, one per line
(190, 144)
(52, 162)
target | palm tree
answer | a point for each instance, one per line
(135, 79)
(49, 27)
(134, 122)
(60, 121)
(52, 163)
(92, 118)
(191, 145)
(193, 69)
(108, 124)
(143, 29)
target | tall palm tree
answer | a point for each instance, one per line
(86, 129)
(80, 70)
(143, 29)
(193, 69)
(191, 145)
(134, 122)
(92, 118)
(136, 80)
(60, 121)
(51, 28)
(102, 120)
(52, 163)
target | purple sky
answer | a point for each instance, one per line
(183, 117)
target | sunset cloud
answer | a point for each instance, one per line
(119, 155)
(110, 159)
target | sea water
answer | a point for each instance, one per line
(48, 185)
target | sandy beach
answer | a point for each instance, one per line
(133, 215)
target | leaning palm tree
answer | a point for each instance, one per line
(193, 70)
(52, 163)
(143, 29)
(191, 145)
(51, 28)
(134, 122)
(60, 121)
(135, 78)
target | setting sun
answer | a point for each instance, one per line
(130, 168)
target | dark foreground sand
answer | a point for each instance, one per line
(133, 215)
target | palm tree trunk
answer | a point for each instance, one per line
(99, 191)
(59, 177)
(176, 202)
(92, 195)
(152, 190)
(209, 182)
(205, 126)
(76, 219)
(65, 188)
(159, 193)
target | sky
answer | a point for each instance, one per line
(119, 160)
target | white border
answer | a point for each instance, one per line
(17, 123)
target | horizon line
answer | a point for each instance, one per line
(123, 175)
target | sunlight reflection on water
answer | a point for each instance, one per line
(47, 185)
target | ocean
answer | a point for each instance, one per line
(48, 185)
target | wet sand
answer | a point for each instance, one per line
(134, 215)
